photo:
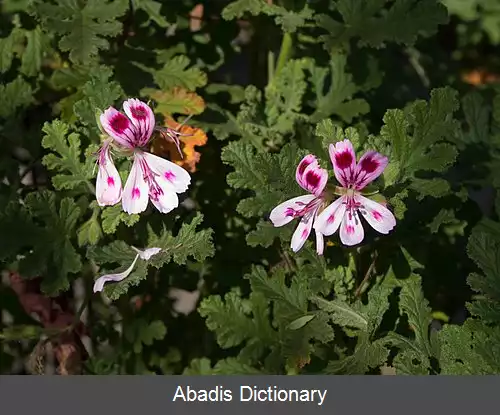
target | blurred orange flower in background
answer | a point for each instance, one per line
(190, 138)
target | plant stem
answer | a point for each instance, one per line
(285, 52)
(368, 274)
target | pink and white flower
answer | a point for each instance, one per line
(346, 211)
(151, 177)
(312, 178)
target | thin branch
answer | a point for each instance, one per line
(368, 275)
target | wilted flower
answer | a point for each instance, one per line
(151, 177)
(345, 212)
(183, 152)
(312, 178)
(145, 255)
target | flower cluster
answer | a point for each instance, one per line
(151, 177)
(346, 211)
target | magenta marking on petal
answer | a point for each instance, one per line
(304, 234)
(312, 179)
(369, 164)
(303, 165)
(376, 215)
(111, 182)
(344, 159)
(136, 193)
(169, 176)
(290, 212)
(330, 219)
(119, 123)
(139, 112)
(349, 229)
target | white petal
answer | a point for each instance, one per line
(379, 217)
(108, 184)
(302, 232)
(135, 193)
(320, 243)
(174, 174)
(351, 230)
(147, 253)
(99, 282)
(329, 220)
(166, 202)
(278, 215)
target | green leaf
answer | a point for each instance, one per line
(236, 321)
(175, 73)
(112, 216)
(342, 313)
(175, 101)
(90, 232)
(98, 93)
(72, 172)
(83, 27)
(188, 242)
(338, 100)
(238, 8)
(152, 8)
(300, 322)
(271, 177)
(434, 187)
(284, 96)
(375, 25)
(266, 233)
(8, 47)
(141, 333)
(15, 95)
(484, 248)
(53, 256)
(21, 333)
(36, 44)
(289, 20)
(470, 349)
(289, 304)
(233, 366)
(477, 116)
(414, 354)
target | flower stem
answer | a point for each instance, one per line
(368, 274)
(285, 52)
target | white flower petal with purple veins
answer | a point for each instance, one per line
(351, 229)
(330, 219)
(108, 183)
(99, 283)
(171, 172)
(379, 217)
(302, 232)
(145, 254)
(370, 166)
(142, 118)
(164, 197)
(119, 127)
(136, 192)
(287, 211)
(343, 160)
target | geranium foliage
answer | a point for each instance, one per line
(249, 187)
